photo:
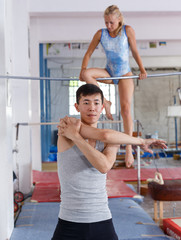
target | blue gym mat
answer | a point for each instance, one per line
(37, 221)
(131, 222)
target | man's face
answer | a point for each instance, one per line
(90, 108)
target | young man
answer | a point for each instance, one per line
(85, 155)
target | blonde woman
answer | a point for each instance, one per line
(116, 40)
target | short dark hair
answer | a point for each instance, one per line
(88, 89)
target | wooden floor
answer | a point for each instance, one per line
(49, 166)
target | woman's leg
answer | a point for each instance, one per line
(90, 75)
(126, 89)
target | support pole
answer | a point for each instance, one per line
(139, 162)
(175, 119)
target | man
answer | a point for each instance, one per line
(85, 155)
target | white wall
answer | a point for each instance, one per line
(151, 100)
(21, 91)
(35, 97)
(14, 106)
(155, 25)
(6, 169)
(78, 27)
(55, 6)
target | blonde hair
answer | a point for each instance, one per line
(113, 9)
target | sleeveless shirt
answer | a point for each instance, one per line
(83, 188)
(117, 53)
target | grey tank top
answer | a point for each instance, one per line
(83, 188)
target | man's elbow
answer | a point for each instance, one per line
(105, 136)
(105, 169)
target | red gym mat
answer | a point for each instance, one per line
(50, 192)
(172, 227)
(116, 189)
(127, 175)
(45, 177)
(47, 188)
(130, 175)
(46, 192)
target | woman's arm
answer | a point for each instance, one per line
(95, 41)
(132, 41)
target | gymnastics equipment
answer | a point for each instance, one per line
(76, 79)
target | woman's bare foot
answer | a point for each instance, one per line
(129, 159)
(107, 106)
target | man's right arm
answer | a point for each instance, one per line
(103, 135)
(115, 137)
(109, 136)
(102, 161)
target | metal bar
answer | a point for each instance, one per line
(148, 76)
(77, 79)
(55, 123)
(38, 78)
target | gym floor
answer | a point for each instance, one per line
(171, 209)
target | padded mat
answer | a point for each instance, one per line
(50, 192)
(37, 221)
(130, 175)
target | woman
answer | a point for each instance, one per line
(116, 39)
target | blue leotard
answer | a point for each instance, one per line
(117, 53)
